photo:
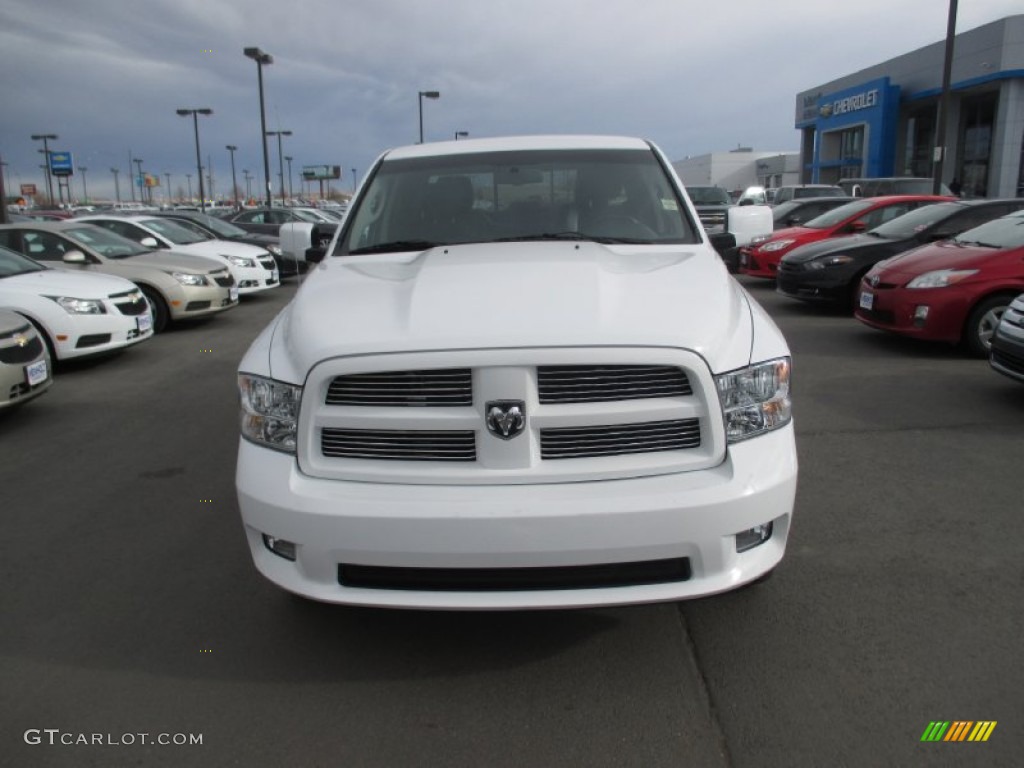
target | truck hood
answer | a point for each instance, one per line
(479, 296)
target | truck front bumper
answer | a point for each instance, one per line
(397, 529)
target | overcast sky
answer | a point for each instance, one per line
(107, 75)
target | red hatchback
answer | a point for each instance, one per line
(762, 259)
(954, 291)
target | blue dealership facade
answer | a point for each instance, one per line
(882, 121)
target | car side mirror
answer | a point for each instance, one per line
(149, 242)
(746, 201)
(858, 226)
(75, 257)
(722, 241)
(792, 221)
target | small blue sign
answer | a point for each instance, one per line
(61, 163)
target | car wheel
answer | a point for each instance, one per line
(981, 324)
(158, 307)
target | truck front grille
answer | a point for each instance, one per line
(399, 445)
(581, 414)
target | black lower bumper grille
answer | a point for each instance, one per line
(195, 306)
(93, 340)
(515, 579)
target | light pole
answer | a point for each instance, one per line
(117, 185)
(353, 179)
(248, 184)
(234, 183)
(140, 179)
(168, 177)
(189, 177)
(289, 159)
(85, 189)
(280, 159)
(199, 163)
(262, 58)
(426, 95)
(461, 134)
(45, 137)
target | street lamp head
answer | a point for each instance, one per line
(258, 56)
(230, 147)
(430, 94)
(461, 135)
(41, 136)
(205, 111)
(183, 112)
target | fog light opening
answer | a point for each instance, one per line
(920, 315)
(280, 547)
(754, 537)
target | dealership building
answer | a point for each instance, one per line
(882, 120)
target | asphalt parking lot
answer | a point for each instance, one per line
(131, 606)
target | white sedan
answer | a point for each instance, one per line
(252, 267)
(77, 314)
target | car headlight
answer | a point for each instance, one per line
(941, 278)
(270, 411)
(758, 239)
(275, 250)
(240, 261)
(755, 399)
(187, 278)
(776, 245)
(75, 306)
(829, 261)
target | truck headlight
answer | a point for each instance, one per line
(75, 306)
(270, 411)
(186, 278)
(755, 399)
(240, 261)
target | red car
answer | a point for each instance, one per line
(954, 291)
(762, 259)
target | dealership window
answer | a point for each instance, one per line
(851, 153)
(977, 124)
(917, 159)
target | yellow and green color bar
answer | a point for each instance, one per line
(958, 730)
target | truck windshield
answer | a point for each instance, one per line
(613, 196)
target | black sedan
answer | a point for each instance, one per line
(831, 270)
(206, 224)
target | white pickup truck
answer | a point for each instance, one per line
(519, 377)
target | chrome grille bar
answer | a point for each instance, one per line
(429, 388)
(619, 439)
(399, 445)
(597, 383)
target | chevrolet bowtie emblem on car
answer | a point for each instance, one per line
(506, 418)
(21, 341)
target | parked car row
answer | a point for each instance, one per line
(945, 271)
(76, 287)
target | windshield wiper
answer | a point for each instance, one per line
(395, 246)
(543, 236)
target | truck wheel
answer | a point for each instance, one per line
(981, 324)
